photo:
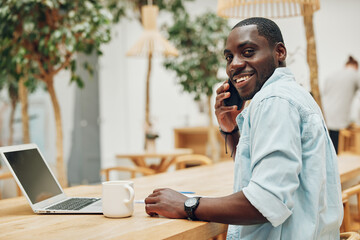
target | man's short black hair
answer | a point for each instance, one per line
(266, 28)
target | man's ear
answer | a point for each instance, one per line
(280, 53)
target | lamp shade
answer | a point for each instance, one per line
(265, 8)
(151, 41)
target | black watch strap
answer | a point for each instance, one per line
(191, 209)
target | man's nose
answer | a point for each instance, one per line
(236, 63)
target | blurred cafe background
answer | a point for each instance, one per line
(112, 110)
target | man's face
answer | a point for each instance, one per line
(250, 60)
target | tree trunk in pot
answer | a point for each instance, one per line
(23, 96)
(148, 124)
(60, 165)
(13, 99)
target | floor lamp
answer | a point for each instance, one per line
(150, 43)
(280, 9)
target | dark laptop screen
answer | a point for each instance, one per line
(33, 173)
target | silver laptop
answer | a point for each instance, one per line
(39, 185)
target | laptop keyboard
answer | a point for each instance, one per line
(73, 204)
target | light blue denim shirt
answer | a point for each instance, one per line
(286, 165)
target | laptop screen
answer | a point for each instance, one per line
(33, 174)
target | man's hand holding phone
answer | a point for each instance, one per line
(234, 98)
(226, 115)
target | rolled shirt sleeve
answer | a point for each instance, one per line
(275, 148)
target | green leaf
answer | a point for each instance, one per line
(200, 42)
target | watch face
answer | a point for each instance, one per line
(190, 202)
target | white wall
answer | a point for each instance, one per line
(122, 79)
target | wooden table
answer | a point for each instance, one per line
(166, 158)
(349, 166)
(17, 221)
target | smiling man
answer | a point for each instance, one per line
(286, 182)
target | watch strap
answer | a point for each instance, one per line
(190, 210)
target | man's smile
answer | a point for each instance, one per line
(238, 79)
(241, 79)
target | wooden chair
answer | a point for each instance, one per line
(191, 160)
(132, 170)
(348, 220)
(8, 175)
(349, 236)
(346, 141)
(349, 140)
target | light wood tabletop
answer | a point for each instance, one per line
(166, 158)
(17, 221)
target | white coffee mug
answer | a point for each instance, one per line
(118, 199)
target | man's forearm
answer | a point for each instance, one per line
(233, 209)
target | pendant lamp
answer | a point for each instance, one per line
(266, 8)
(150, 43)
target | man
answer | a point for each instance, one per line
(337, 96)
(286, 178)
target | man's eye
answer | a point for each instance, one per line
(228, 58)
(248, 52)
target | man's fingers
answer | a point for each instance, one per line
(158, 190)
(151, 209)
(151, 200)
(224, 87)
(220, 98)
(153, 214)
(225, 109)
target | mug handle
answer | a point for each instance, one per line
(132, 194)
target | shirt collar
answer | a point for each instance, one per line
(278, 74)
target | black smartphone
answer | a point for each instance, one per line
(234, 98)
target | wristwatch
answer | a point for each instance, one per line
(190, 206)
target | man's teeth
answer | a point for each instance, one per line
(244, 78)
